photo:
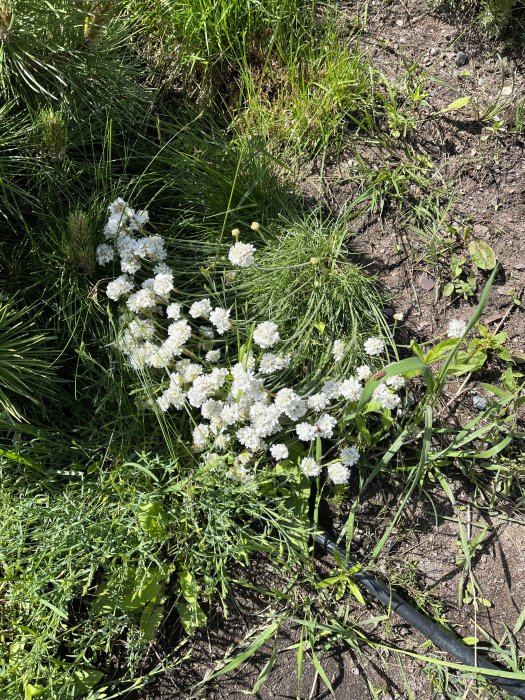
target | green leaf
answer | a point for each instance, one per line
(263, 675)
(150, 620)
(444, 371)
(482, 255)
(85, 679)
(448, 289)
(15, 458)
(321, 672)
(354, 590)
(466, 363)
(519, 622)
(136, 591)
(149, 588)
(152, 518)
(460, 103)
(191, 614)
(471, 641)
(440, 351)
(238, 660)
(33, 691)
(412, 365)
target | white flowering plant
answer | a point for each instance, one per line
(223, 375)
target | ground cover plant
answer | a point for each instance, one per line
(494, 15)
(199, 366)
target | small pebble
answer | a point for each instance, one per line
(399, 22)
(461, 58)
(433, 51)
(479, 402)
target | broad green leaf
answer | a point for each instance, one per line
(482, 255)
(150, 620)
(466, 363)
(149, 587)
(136, 591)
(471, 641)
(460, 103)
(191, 616)
(85, 679)
(152, 518)
(440, 351)
(448, 289)
(33, 691)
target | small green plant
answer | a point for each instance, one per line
(492, 15)
(464, 273)
(463, 283)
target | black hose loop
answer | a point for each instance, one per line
(442, 637)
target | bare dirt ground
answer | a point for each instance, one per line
(487, 176)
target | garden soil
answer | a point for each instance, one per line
(488, 178)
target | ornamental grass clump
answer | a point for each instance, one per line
(224, 373)
(306, 281)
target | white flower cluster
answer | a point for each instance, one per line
(338, 470)
(232, 407)
(242, 254)
(456, 328)
(338, 350)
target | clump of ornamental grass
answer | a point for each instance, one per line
(310, 283)
(26, 370)
(203, 183)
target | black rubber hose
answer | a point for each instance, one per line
(441, 637)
